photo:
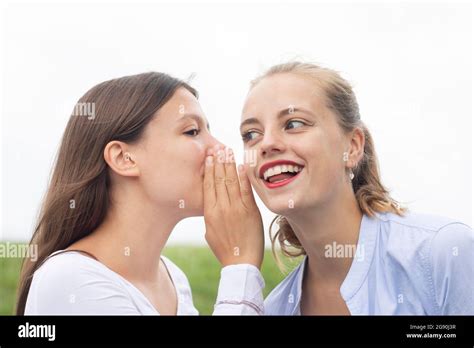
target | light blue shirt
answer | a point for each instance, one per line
(415, 264)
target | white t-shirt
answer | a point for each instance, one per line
(72, 283)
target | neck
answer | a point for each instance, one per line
(132, 237)
(320, 229)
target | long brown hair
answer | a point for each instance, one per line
(77, 199)
(370, 193)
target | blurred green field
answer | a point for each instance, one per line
(198, 263)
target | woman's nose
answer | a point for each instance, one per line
(271, 143)
(213, 142)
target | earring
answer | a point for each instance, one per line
(345, 158)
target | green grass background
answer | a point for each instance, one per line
(198, 263)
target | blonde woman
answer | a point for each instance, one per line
(317, 169)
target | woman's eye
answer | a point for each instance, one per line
(192, 132)
(294, 124)
(250, 135)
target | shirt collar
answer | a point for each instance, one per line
(363, 259)
(360, 264)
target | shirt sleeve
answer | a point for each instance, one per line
(240, 291)
(452, 269)
(70, 288)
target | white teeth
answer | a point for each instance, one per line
(285, 168)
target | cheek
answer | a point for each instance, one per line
(189, 163)
(188, 156)
(326, 162)
(174, 168)
(251, 172)
(200, 148)
(197, 155)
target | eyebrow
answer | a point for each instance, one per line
(287, 111)
(195, 117)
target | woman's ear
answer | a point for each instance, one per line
(356, 149)
(118, 156)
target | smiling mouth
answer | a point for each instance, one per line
(281, 175)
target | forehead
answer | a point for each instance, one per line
(183, 102)
(279, 91)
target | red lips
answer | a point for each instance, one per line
(272, 185)
(264, 167)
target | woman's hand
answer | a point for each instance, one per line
(234, 228)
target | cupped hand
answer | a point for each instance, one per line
(234, 228)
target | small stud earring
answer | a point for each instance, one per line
(345, 156)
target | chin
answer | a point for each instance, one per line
(288, 205)
(280, 207)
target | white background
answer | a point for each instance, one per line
(410, 63)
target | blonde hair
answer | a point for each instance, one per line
(371, 195)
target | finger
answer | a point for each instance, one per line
(219, 178)
(231, 178)
(245, 188)
(208, 186)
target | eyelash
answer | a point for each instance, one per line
(192, 130)
(246, 134)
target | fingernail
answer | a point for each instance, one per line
(209, 160)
